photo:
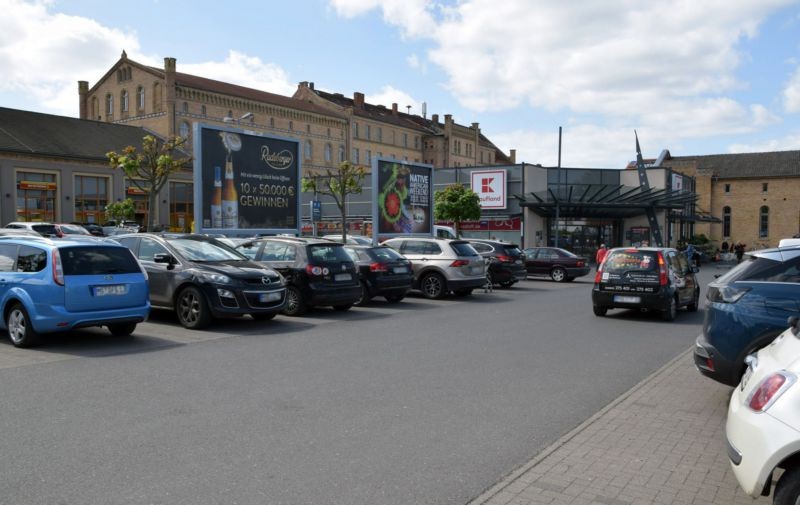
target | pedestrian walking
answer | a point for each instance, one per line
(601, 255)
(738, 250)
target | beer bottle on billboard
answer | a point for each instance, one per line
(216, 199)
(230, 204)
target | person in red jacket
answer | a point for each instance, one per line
(601, 255)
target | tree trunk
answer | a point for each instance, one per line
(152, 199)
(457, 226)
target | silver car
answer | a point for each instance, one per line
(441, 266)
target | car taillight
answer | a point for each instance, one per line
(599, 275)
(581, 263)
(502, 258)
(459, 263)
(378, 267)
(725, 294)
(316, 270)
(662, 270)
(770, 390)
(58, 269)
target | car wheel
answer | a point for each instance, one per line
(192, 309)
(558, 274)
(343, 308)
(261, 316)
(365, 296)
(463, 292)
(295, 305)
(394, 298)
(787, 491)
(671, 311)
(432, 286)
(122, 330)
(19, 327)
(599, 311)
(692, 307)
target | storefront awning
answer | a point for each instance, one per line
(610, 201)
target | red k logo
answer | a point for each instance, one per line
(486, 185)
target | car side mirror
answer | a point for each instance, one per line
(164, 258)
(794, 324)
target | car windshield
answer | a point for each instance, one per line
(463, 249)
(202, 250)
(98, 260)
(324, 253)
(758, 268)
(631, 260)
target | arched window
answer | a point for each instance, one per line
(109, 104)
(184, 130)
(291, 125)
(123, 101)
(272, 122)
(203, 110)
(309, 149)
(763, 222)
(185, 107)
(341, 153)
(328, 153)
(140, 98)
(726, 222)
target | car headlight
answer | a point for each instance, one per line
(212, 277)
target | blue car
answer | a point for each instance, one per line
(745, 310)
(62, 284)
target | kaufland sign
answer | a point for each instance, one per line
(491, 188)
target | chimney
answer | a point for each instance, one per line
(475, 126)
(83, 90)
(435, 119)
(448, 118)
(311, 85)
(303, 84)
(513, 156)
(394, 109)
(169, 65)
(358, 99)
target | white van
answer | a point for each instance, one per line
(444, 232)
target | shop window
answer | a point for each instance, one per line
(36, 196)
(763, 222)
(91, 198)
(726, 221)
(181, 206)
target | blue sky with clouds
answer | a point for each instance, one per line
(694, 77)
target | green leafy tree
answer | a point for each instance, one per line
(456, 203)
(120, 211)
(150, 168)
(337, 183)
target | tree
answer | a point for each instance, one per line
(150, 168)
(456, 203)
(120, 211)
(337, 183)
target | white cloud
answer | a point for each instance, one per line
(413, 61)
(789, 142)
(791, 93)
(243, 70)
(389, 95)
(413, 17)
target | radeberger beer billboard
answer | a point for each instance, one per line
(403, 198)
(245, 182)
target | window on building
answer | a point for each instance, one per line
(341, 153)
(727, 189)
(272, 122)
(123, 99)
(36, 196)
(405, 140)
(291, 125)
(109, 104)
(380, 134)
(355, 130)
(764, 187)
(763, 222)
(309, 150)
(367, 132)
(726, 222)
(203, 110)
(368, 157)
(355, 156)
(416, 142)
(184, 130)
(140, 98)
(328, 153)
(308, 128)
(185, 107)
(181, 206)
(329, 132)
(91, 198)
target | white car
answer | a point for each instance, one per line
(763, 427)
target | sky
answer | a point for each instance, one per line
(694, 77)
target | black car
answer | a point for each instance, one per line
(382, 271)
(318, 272)
(94, 229)
(505, 261)
(645, 278)
(558, 264)
(200, 278)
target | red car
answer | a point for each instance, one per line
(558, 264)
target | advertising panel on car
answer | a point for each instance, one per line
(404, 198)
(245, 183)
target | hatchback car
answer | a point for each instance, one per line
(505, 261)
(200, 278)
(441, 266)
(556, 263)
(745, 310)
(59, 285)
(646, 278)
(318, 272)
(43, 229)
(382, 271)
(763, 426)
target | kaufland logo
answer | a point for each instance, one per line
(486, 185)
(491, 188)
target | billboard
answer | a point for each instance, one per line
(403, 202)
(245, 183)
(490, 185)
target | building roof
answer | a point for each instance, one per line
(34, 133)
(746, 165)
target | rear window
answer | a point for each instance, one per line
(44, 229)
(512, 250)
(327, 253)
(764, 270)
(631, 261)
(93, 260)
(463, 249)
(385, 254)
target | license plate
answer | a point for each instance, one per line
(269, 297)
(342, 277)
(400, 270)
(114, 289)
(627, 299)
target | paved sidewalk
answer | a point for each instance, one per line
(662, 442)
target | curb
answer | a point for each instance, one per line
(490, 492)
